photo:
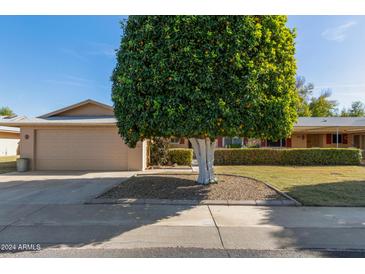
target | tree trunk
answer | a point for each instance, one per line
(204, 152)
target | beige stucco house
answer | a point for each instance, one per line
(82, 136)
(9, 140)
(329, 132)
(309, 132)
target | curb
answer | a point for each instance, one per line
(109, 188)
(295, 202)
(129, 201)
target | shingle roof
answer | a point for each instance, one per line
(6, 128)
(109, 120)
(65, 120)
(330, 122)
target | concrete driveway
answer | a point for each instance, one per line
(56, 187)
(48, 209)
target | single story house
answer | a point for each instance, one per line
(9, 139)
(309, 132)
(83, 136)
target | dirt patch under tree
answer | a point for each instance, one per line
(184, 187)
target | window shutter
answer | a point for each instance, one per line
(182, 141)
(220, 141)
(345, 139)
(245, 141)
(288, 142)
(329, 139)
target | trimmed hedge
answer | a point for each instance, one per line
(293, 156)
(234, 146)
(180, 156)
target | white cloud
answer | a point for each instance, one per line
(65, 82)
(91, 49)
(338, 33)
(75, 81)
(101, 49)
(73, 53)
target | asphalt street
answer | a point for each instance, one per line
(183, 253)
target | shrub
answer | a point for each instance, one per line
(295, 156)
(180, 156)
(234, 146)
(159, 151)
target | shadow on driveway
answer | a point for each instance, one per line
(33, 212)
(48, 209)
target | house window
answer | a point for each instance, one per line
(334, 138)
(277, 143)
(233, 141)
(175, 140)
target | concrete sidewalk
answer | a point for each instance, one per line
(49, 209)
(166, 226)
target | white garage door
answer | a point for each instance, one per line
(80, 149)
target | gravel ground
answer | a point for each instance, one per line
(184, 187)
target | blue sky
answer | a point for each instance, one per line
(52, 61)
(330, 54)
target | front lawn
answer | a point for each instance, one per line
(7, 164)
(314, 185)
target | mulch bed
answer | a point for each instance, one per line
(184, 187)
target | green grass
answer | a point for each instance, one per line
(7, 164)
(314, 185)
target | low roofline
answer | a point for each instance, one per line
(59, 121)
(10, 131)
(26, 123)
(75, 106)
(22, 121)
(30, 124)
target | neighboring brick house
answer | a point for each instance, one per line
(325, 132)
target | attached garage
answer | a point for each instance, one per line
(83, 136)
(80, 149)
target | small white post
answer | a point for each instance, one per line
(360, 141)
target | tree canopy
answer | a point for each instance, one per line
(205, 76)
(357, 110)
(305, 91)
(322, 106)
(312, 106)
(6, 111)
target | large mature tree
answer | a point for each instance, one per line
(305, 91)
(6, 111)
(322, 106)
(357, 110)
(205, 76)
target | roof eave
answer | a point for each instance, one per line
(58, 111)
(9, 131)
(57, 124)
